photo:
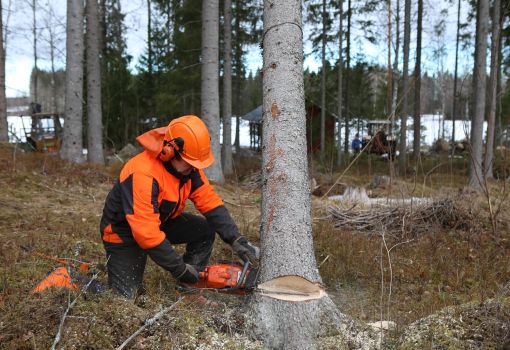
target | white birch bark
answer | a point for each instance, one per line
(227, 91)
(72, 143)
(4, 136)
(482, 29)
(210, 83)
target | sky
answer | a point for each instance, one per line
(17, 17)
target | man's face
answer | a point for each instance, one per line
(181, 166)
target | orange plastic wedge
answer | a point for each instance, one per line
(58, 278)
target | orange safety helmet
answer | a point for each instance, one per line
(188, 136)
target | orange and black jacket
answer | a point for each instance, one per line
(150, 192)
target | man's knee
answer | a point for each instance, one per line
(125, 266)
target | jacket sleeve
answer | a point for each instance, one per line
(208, 202)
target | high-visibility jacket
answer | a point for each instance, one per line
(150, 192)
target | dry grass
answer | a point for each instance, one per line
(53, 207)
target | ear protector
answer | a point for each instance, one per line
(171, 148)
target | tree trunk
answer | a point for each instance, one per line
(395, 68)
(402, 160)
(238, 53)
(4, 128)
(475, 169)
(455, 77)
(323, 80)
(389, 79)
(227, 91)
(34, 33)
(210, 85)
(287, 246)
(493, 87)
(94, 115)
(340, 94)
(72, 143)
(417, 86)
(347, 75)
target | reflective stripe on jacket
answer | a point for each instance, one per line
(148, 193)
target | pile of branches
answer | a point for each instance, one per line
(405, 221)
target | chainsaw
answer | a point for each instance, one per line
(227, 278)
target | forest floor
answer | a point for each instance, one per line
(51, 208)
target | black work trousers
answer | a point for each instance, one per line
(126, 261)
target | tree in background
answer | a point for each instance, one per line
(247, 16)
(226, 155)
(417, 86)
(340, 96)
(94, 114)
(479, 91)
(493, 87)
(72, 140)
(120, 122)
(402, 158)
(210, 85)
(4, 136)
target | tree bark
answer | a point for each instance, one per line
(227, 91)
(402, 158)
(34, 33)
(72, 143)
(286, 237)
(340, 93)
(4, 128)
(417, 86)
(347, 75)
(323, 80)
(210, 84)
(475, 169)
(94, 115)
(493, 87)
(395, 68)
(455, 77)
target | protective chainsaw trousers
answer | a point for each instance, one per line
(126, 261)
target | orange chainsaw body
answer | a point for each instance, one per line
(219, 276)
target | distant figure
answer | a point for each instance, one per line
(356, 144)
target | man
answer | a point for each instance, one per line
(143, 214)
(356, 144)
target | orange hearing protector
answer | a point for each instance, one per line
(170, 148)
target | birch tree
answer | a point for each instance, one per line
(493, 85)
(479, 89)
(4, 136)
(72, 142)
(94, 115)
(210, 84)
(227, 90)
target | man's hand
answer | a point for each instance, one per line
(189, 275)
(245, 249)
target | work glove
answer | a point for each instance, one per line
(245, 249)
(189, 275)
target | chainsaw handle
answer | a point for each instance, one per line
(240, 281)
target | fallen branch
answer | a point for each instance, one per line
(149, 323)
